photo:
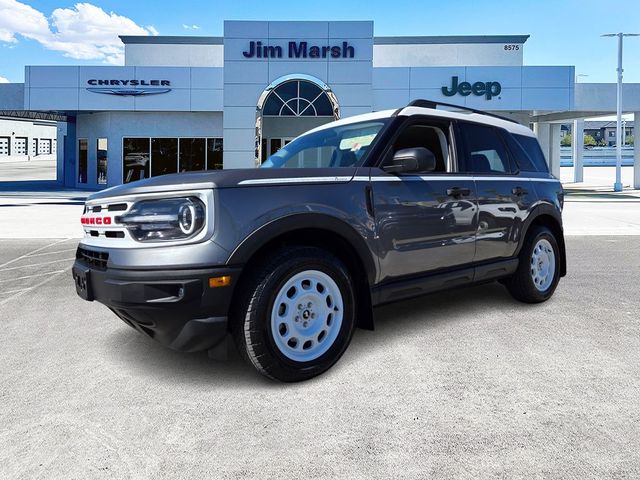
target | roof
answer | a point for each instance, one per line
(415, 40)
(171, 40)
(598, 124)
(450, 39)
(408, 111)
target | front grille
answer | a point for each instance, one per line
(93, 258)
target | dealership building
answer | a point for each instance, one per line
(193, 103)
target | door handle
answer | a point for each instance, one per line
(458, 192)
(519, 191)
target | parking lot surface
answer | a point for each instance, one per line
(463, 384)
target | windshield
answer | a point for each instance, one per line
(341, 146)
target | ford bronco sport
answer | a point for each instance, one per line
(289, 258)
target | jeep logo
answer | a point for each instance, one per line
(488, 89)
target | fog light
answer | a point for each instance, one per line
(223, 281)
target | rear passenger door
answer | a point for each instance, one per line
(504, 197)
(425, 221)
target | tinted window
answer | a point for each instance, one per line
(164, 156)
(485, 151)
(82, 160)
(532, 147)
(135, 159)
(517, 152)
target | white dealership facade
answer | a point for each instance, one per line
(193, 103)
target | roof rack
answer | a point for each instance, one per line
(433, 104)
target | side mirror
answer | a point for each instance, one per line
(412, 160)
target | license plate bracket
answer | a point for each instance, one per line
(82, 280)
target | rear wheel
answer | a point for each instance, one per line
(538, 269)
(297, 314)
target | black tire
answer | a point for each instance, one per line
(521, 284)
(251, 317)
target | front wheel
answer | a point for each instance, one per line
(298, 314)
(538, 269)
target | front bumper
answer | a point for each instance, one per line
(175, 307)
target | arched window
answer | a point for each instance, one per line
(298, 98)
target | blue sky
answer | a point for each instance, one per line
(562, 33)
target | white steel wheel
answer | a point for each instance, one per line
(543, 265)
(307, 315)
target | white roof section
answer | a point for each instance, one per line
(469, 116)
(365, 117)
(409, 111)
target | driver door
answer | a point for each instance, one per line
(425, 221)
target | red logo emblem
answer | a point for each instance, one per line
(95, 220)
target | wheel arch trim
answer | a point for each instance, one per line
(305, 221)
(546, 210)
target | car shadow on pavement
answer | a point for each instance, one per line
(432, 311)
(153, 360)
(150, 359)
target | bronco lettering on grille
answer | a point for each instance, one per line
(95, 220)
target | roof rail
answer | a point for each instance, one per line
(433, 104)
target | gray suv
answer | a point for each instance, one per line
(291, 257)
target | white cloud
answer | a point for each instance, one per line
(190, 27)
(3, 80)
(84, 31)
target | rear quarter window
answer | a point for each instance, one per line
(533, 151)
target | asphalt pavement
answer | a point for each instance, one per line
(462, 384)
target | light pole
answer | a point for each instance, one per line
(617, 187)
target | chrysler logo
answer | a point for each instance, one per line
(128, 88)
(129, 92)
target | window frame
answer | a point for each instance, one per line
(407, 122)
(106, 181)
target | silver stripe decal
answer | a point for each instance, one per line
(390, 178)
(269, 181)
(451, 178)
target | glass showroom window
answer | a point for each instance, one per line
(214, 153)
(101, 159)
(82, 160)
(192, 154)
(164, 156)
(135, 158)
(298, 98)
(144, 157)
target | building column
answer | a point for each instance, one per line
(636, 150)
(554, 149)
(549, 137)
(577, 147)
(542, 132)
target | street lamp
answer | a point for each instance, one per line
(617, 187)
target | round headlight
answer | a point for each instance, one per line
(186, 215)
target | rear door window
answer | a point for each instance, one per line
(485, 150)
(518, 154)
(534, 152)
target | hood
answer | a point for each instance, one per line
(233, 178)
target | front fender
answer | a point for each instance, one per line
(303, 221)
